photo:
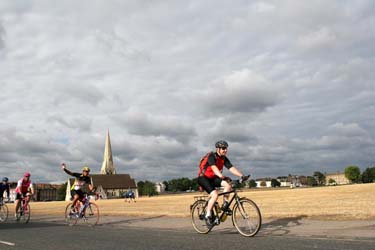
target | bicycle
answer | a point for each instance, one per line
(246, 216)
(24, 211)
(3, 211)
(84, 210)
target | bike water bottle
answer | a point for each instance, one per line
(224, 217)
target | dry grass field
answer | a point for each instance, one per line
(337, 202)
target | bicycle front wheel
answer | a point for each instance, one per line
(91, 216)
(3, 213)
(70, 217)
(246, 217)
(23, 214)
(198, 211)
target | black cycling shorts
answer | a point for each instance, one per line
(79, 192)
(20, 196)
(208, 184)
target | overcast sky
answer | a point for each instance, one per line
(289, 84)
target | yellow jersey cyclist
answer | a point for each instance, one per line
(81, 180)
(212, 177)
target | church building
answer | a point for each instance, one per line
(108, 183)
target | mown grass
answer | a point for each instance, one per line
(349, 202)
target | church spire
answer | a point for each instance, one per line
(107, 166)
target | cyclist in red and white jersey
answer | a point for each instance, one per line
(24, 189)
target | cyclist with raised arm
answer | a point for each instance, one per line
(81, 180)
(4, 187)
(211, 177)
(24, 189)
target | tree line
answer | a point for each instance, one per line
(352, 173)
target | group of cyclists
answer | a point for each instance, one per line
(209, 179)
(24, 189)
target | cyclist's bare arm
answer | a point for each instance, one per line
(217, 171)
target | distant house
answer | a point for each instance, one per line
(297, 181)
(160, 187)
(338, 178)
(284, 181)
(263, 182)
(46, 192)
(42, 192)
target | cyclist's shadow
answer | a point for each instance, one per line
(280, 227)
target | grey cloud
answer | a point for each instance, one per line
(81, 92)
(83, 124)
(2, 37)
(143, 124)
(241, 92)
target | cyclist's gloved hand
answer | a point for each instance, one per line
(244, 178)
(227, 179)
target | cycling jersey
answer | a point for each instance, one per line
(80, 181)
(219, 162)
(4, 188)
(23, 186)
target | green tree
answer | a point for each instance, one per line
(320, 178)
(368, 176)
(331, 182)
(252, 183)
(146, 188)
(352, 173)
(166, 185)
(275, 183)
(61, 192)
(311, 181)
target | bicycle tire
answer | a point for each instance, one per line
(70, 218)
(23, 216)
(198, 211)
(3, 213)
(246, 217)
(92, 215)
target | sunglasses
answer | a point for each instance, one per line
(224, 148)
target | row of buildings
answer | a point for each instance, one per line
(337, 178)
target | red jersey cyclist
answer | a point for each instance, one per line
(24, 189)
(212, 177)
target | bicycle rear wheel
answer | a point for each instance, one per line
(198, 211)
(3, 213)
(91, 216)
(70, 218)
(246, 217)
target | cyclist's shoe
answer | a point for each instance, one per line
(226, 208)
(228, 211)
(16, 217)
(72, 211)
(210, 221)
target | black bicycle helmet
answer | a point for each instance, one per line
(221, 144)
(5, 179)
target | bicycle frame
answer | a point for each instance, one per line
(235, 197)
